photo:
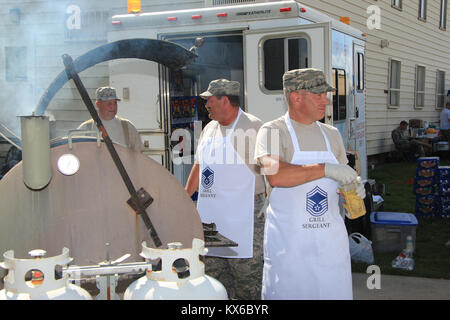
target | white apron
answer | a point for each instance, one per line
(226, 193)
(306, 250)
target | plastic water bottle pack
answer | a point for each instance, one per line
(405, 259)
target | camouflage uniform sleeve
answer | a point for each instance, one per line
(395, 137)
(264, 142)
(135, 137)
(200, 141)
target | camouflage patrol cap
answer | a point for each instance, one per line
(106, 93)
(310, 79)
(221, 87)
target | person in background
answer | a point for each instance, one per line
(306, 247)
(445, 122)
(406, 144)
(231, 190)
(120, 130)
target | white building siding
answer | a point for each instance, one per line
(42, 30)
(412, 42)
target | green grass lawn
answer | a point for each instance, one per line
(432, 257)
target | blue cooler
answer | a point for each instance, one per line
(390, 229)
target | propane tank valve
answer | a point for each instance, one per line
(37, 253)
(180, 266)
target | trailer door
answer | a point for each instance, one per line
(358, 121)
(138, 85)
(268, 53)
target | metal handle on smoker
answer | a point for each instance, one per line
(68, 63)
(74, 132)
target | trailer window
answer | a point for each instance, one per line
(298, 54)
(273, 64)
(281, 55)
(340, 95)
(360, 72)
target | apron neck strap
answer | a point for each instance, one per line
(236, 120)
(324, 135)
(295, 142)
(232, 126)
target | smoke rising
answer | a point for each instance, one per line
(36, 35)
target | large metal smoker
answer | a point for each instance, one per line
(79, 193)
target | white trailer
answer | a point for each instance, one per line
(251, 43)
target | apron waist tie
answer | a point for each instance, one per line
(264, 207)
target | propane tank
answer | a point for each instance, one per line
(182, 276)
(34, 279)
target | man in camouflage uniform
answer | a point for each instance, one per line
(231, 190)
(120, 130)
(404, 143)
(306, 248)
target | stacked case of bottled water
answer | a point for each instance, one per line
(443, 186)
(426, 187)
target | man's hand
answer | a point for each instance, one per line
(342, 173)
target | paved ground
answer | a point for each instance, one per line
(392, 288)
(400, 288)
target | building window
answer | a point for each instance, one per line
(340, 95)
(397, 4)
(422, 10)
(16, 64)
(440, 89)
(281, 55)
(443, 15)
(394, 82)
(419, 91)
